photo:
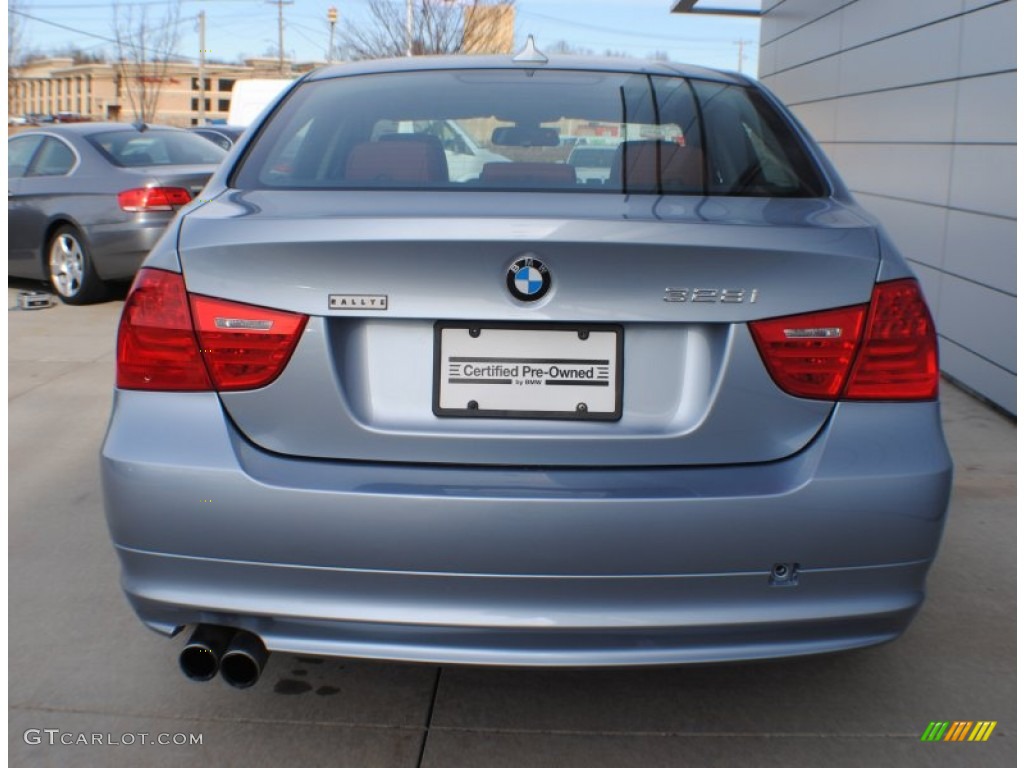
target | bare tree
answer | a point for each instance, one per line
(79, 55)
(438, 26)
(565, 48)
(15, 53)
(145, 48)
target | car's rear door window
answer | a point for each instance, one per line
(54, 158)
(20, 150)
(753, 152)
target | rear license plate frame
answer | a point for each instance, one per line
(614, 365)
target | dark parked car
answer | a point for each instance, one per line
(86, 202)
(224, 136)
(368, 407)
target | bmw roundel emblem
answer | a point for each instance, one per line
(528, 279)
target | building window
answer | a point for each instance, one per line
(195, 105)
(225, 86)
(223, 105)
(195, 84)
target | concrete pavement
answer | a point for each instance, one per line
(81, 663)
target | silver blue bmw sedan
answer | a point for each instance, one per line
(684, 410)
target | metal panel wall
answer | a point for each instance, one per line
(915, 100)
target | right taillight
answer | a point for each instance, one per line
(886, 350)
(156, 344)
(899, 357)
(171, 341)
(245, 346)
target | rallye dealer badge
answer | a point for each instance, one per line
(356, 301)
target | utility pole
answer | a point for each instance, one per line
(280, 31)
(332, 19)
(202, 68)
(408, 27)
(739, 62)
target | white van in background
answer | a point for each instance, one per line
(465, 157)
(249, 97)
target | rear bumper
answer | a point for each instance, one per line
(118, 249)
(526, 566)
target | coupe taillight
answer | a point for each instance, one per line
(885, 350)
(145, 199)
(171, 341)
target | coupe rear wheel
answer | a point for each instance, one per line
(71, 270)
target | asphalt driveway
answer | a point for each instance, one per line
(82, 668)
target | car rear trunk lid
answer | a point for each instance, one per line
(679, 278)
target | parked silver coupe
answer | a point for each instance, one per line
(86, 202)
(685, 414)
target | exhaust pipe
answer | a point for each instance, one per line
(201, 657)
(243, 661)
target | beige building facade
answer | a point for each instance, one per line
(102, 91)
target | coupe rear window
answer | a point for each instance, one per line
(538, 130)
(130, 148)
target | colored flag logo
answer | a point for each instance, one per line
(959, 730)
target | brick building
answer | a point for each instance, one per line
(98, 91)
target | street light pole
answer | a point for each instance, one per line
(201, 119)
(280, 30)
(332, 19)
(408, 27)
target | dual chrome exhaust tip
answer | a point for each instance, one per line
(238, 656)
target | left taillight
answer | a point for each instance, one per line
(171, 341)
(144, 199)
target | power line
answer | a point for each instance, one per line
(83, 33)
(63, 7)
(623, 32)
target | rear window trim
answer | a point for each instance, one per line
(770, 102)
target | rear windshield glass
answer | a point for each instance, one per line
(129, 148)
(547, 130)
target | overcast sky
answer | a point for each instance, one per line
(234, 27)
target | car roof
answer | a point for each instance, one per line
(86, 129)
(576, 63)
(225, 130)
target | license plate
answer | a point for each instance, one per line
(514, 371)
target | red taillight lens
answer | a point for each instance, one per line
(244, 346)
(156, 346)
(886, 350)
(899, 359)
(173, 342)
(810, 355)
(153, 199)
